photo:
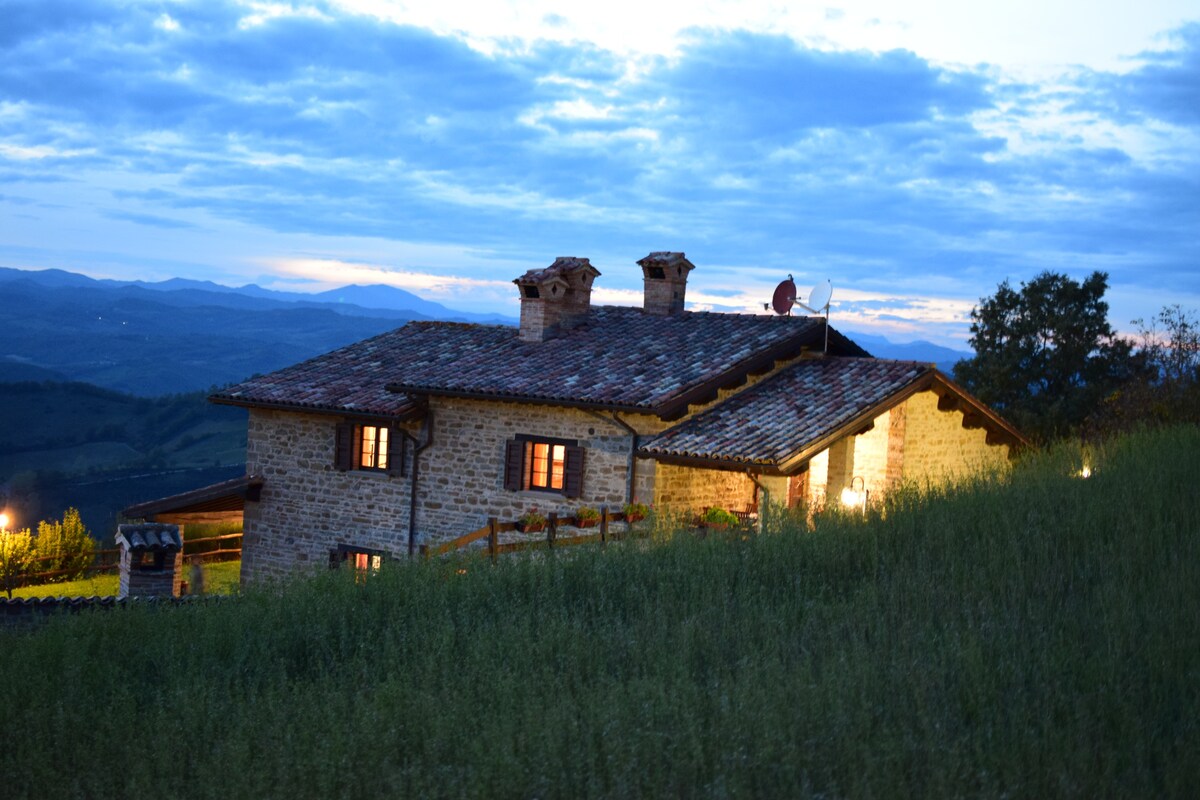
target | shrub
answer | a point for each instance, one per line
(586, 513)
(636, 509)
(64, 547)
(532, 517)
(16, 557)
(719, 516)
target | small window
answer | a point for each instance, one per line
(544, 465)
(373, 447)
(362, 560)
(369, 447)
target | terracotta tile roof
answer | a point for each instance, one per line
(619, 358)
(351, 379)
(777, 418)
(230, 495)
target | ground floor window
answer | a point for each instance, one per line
(361, 559)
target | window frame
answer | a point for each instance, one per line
(348, 553)
(349, 449)
(520, 462)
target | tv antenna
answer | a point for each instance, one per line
(818, 301)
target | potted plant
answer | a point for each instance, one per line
(586, 516)
(717, 519)
(635, 511)
(531, 521)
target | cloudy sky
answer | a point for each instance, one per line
(914, 153)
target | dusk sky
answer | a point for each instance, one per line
(914, 153)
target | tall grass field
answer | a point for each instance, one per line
(1036, 635)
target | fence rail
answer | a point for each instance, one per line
(491, 532)
(107, 559)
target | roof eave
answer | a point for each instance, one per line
(712, 462)
(415, 413)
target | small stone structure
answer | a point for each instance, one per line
(151, 560)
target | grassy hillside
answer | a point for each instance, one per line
(1031, 637)
(64, 444)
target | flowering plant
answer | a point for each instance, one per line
(532, 518)
(635, 511)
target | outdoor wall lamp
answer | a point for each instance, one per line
(852, 498)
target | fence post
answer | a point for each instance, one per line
(603, 524)
(493, 537)
(424, 550)
(552, 529)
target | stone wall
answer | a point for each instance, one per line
(686, 489)
(937, 447)
(912, 441)
(307, 507)
(462, 473)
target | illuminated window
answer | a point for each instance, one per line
(361, 559)
(370, 447)
(540, 464)
(374, 447)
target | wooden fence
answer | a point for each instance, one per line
(108, 559)
(492, 530)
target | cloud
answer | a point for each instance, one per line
(757, 154)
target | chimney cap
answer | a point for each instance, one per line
(664, 259)
(562, 268)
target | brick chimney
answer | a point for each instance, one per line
(151, 556)
(665, 276)
(555, 299)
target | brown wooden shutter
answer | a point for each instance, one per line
(397, 449)
(343, 455)
(573, 477)
(514, 465)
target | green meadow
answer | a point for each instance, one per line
(1029, 635)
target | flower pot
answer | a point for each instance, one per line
(587, 523)
(531, 527)
(632, 518)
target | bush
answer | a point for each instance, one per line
(65, 547)
(16, 556)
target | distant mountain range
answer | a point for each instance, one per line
(180, 335)
(943, 357)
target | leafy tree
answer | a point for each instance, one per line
(65, 545)
(16, 556)
(1169, 389)
(1045, 355)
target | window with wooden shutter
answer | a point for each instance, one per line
(370, 447)
(573, 472)
(514, 461)
(539, 464)
(343, 457)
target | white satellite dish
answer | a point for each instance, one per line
(818, 298)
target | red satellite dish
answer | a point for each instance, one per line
(785, 296)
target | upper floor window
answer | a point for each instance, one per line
(369, 447)
(540, 464)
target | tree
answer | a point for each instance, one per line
(64, 547)
(1045, 356)
(16, 555)
(1169, 389)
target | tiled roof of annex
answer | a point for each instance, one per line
(620, 358)
(777, 419)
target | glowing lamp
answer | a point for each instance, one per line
(3, 521)
(856, 498)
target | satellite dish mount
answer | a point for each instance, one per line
(818, 301)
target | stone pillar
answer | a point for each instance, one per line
(151, 560)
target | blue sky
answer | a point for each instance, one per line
(915, 156)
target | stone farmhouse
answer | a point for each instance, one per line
(422, 433)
